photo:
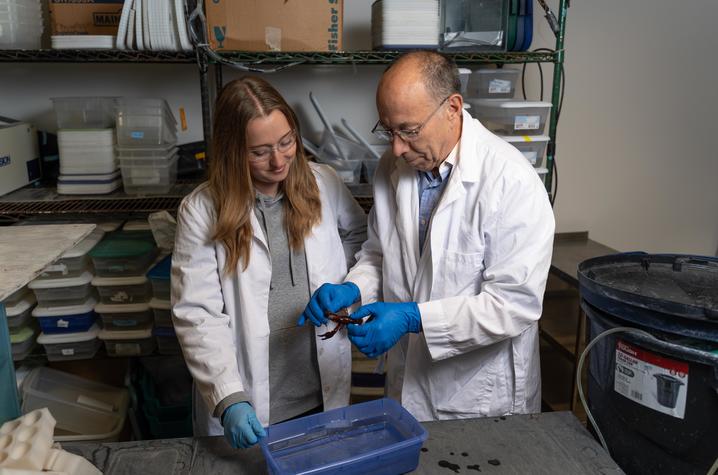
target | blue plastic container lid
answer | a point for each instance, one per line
(161, 271)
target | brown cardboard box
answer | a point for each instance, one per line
(275, 25)
(85, 17)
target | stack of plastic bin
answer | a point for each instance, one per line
(23, 331)
(146, 145)
(164, 331)
(21, 24)
(490, 92)
(121, 262)
(86, 143)
(66, 301)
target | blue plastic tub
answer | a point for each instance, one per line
(378, 437)
(66, 319)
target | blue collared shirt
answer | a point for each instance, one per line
(430, 189)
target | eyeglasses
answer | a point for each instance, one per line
(263, 153)
(407, 135)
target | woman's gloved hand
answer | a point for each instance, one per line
(329, 298)
(241, 426)
(389, 322)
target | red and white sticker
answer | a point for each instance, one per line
(651, 380)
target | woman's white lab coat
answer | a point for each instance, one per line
(221, 321)
(479, 282)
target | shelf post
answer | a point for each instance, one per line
(556, 93)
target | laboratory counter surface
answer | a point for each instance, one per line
(570, 249)
(547, 443)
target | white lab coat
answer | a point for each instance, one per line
(221, 321)
(479, 282)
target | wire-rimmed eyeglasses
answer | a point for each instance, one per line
(407, 135)
(264, 152)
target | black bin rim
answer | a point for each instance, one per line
(698, 302)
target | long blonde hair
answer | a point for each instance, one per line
(230, 182)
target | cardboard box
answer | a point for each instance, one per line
(275, 25)
(85, 17)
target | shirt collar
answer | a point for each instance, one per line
(444, 168)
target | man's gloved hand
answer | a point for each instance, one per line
(329, 298)
(241, 426)
(389, 322)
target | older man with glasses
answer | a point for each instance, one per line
(453, 272)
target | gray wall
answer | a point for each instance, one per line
(637, 167)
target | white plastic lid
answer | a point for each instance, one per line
(541, 171)
(121, 307)
(138, 334)
(504, 104)
(109, 226)
(497, 71)
(75, 337)
(160, 304)
(84, 246)
(464, 71)
(525, 138)
(111, 281)
(84, 278)
(136, 225)
(27, 301)
(60, 311)
(91, 177)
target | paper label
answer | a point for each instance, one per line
(63, 323)
(527, 122)
(137, 134)
(499, 86)
(67, 351)
(651, 380)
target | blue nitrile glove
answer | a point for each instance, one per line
(389, 323)
(329, 298)
(241, 426)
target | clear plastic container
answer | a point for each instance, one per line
(348, 170)
(118, 256)
(128, 342)
(378, 437)
(149, 179)
(122, 290)
(163, 152)
(75, 261)
(83, 409)
(497, 83)
(16, 296)
(71, 346)
(22, 341)
(533, 148)
(162, 310)
(56, 292)
(144, 130)
(511, 117)
(84, 112)
(146, 106)
(66, 319)
(370, 169)
(129, 316)
(159, 276)
(18, 314)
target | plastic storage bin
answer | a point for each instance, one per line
(138, 129)
(66, 318)
(22, 341)
(159, 276)
(119, 256)
(84, 112)
(16, 296)
(83, 409)
(493, 83)
(533, 148)
(71, 346)
(370, 169)
(141, 179)
(53, 292)
(167, 342)
(75, 261)
(129, 316)
(128, 342)
(130, 160)
(18, 314)
(162, 310)
(121, 290)
(378, 437)
(348, 170)
(511, 117)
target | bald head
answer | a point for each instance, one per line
(421, 72)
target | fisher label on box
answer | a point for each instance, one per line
(651, 380)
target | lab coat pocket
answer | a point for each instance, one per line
(463, 386)
(458, 273)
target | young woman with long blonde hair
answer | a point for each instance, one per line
(252, 245)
